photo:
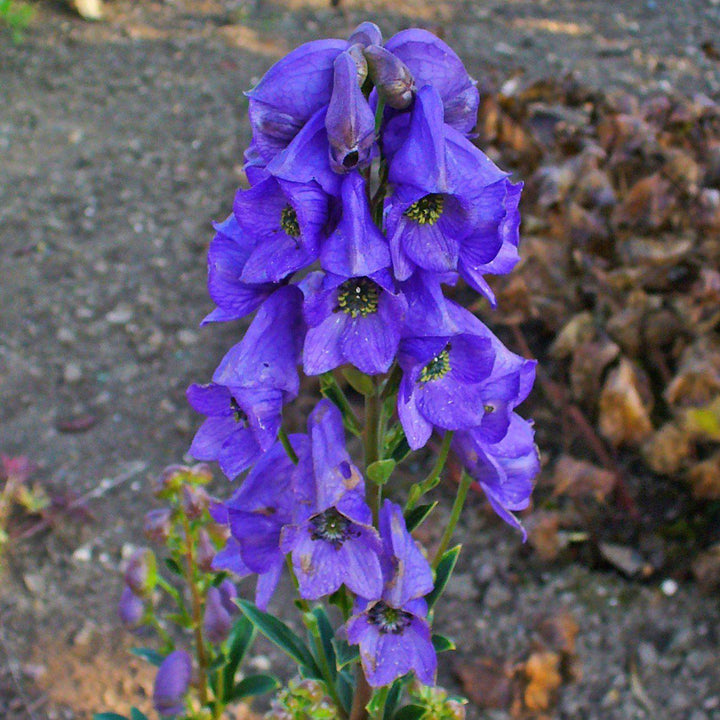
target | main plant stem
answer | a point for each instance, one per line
(463, 487)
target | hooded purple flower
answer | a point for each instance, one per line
(285, 222)
(267, 356)
(256, 514)
(171, 683)
(290, 93)
(228, 254)
(131, 609)
(352, 319)
(391, 627)
(241, 423)
(349, 121)
(433, 62)
(219, 611)
(449, 200)
(504, 469)
(332, 539)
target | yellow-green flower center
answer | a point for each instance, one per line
(437, 368)
(388, 619)
(358, 297)
(289, 222)
(238, 413)
(427, 210)
(330, 526)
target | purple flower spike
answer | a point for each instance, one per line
(285, 221)
(171, 683)
(256, 515)
(332, 539)
(228, 254)
(241, 423)
(350, 122)
(391, 628)
(433, 62)
(504, 470)
(356, 247)
(290, 93)
(352, 319)
(267, 357)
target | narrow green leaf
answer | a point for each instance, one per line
(326, 636)
(136, 714)
(442, 575)
(239, 642)
(359, 381)
(410, 712)
(393, 697)
(345, 653)
(108, 716)
(417, 515)
(173, 566)
(149, 655)
(400, 451)
(253, 685)
(345, 689)
(380, 471)
(333, 392)
(279, 633)
(442, 643)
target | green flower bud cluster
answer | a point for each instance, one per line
(303, 700)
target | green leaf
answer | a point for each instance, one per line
(410, 712)
(417, 516)
(149, 655)
(108, 716)
(326, 636)
(345, 653)
(442, 643)
(333, 392)
(380, 471)
(393, 698)
(281, 635)
(359, 381)
(239, 642)
(345, 689)
(253, 685)
(136, 714)
(173, 566)
(400, 451)
(442, 575)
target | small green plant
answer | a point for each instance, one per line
(17, 16)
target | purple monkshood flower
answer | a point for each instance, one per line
(352, 319)
(268, 355)
(241, 423)
(171, 683)
(332, 539)
(131, 608)
(256, 514)
(349, 121)
(285, 222)
(227, 257)
(504, 469)
(461, 381)
(219, 611)
(291, 91)
(391, 627)
(450, 199)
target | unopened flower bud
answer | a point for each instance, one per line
(391, 76)
(141, 572)
(171, 683)
(195, 501)
(200, 474)
(366, 33)
(157, 525)
(356, 53)
(205, 551)
(228, 595)
(216, 620)
(455, 710)
(171, 479)
(131, 609)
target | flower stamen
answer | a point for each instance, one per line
(427, 210)
(389, 619)
(358, 297)
(289, 222)
(437, 368)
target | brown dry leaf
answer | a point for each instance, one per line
(668, 449)
(486, 682)
(542, 528)
(697, 381)
(704, 477)
(647, 206)
(588, 365)
(706, 568)
(542, 672)
(579, 479)
(559, 631)
(682, 170)
(579, 329)
(624, 407)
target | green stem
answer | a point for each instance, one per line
(463, 487)
(372, 422)
(219, 705)
(285, 440)
(379, 111)
(419, 489)
(332, 390)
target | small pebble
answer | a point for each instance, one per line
(72, 373)
(119, 315)
(669, 587)
(83, 554)
(260, 662)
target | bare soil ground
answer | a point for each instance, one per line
(120, 142)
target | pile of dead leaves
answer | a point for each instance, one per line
(618, 291)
